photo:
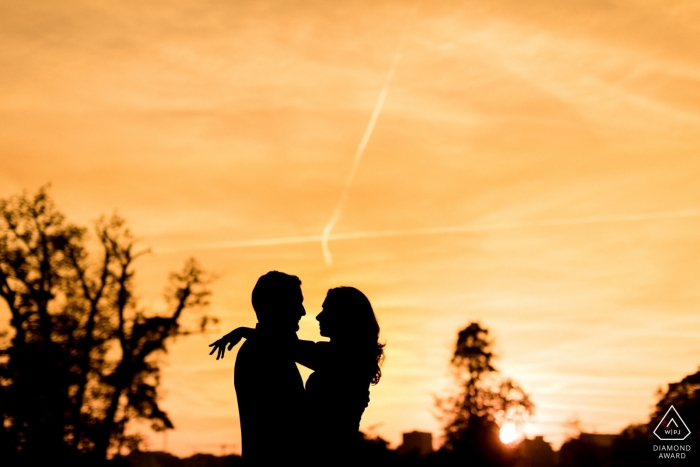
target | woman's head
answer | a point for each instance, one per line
(348, 317)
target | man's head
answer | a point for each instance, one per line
(278, 301)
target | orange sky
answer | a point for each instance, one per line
(534, 167)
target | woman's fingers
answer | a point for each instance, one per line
(220, 345)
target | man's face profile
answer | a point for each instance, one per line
(294, 308)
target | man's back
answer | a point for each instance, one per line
(270, 390)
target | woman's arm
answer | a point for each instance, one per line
(313, 355)
(232, 338)
(304, 352)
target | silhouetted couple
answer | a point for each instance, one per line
(280, 420)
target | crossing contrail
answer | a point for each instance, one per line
(363, 143)
(469, 228)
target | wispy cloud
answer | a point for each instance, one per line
(472, 228)
(325, 235)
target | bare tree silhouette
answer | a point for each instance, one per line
(79, 360)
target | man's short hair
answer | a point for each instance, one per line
(272, 292)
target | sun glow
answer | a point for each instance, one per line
(510, 433)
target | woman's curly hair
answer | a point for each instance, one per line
(363, 326)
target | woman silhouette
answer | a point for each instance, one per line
(337, 392)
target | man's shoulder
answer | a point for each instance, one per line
(258, 363)
(254, 354)
(250, 350)
(249, 344)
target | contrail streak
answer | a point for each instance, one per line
(474, 228)
(363, 143)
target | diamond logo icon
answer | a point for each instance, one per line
(671, 427)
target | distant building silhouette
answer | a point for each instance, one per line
(534, 453)
(152, 459)
(589, 449)
(417, 441)
(600, 441)
(164, 459)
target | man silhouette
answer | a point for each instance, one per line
(268, 385)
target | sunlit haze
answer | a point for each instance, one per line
(532, 166)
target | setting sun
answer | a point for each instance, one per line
(510, 433)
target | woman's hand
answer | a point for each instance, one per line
(230, 339)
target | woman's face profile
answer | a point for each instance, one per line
(328, 318)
